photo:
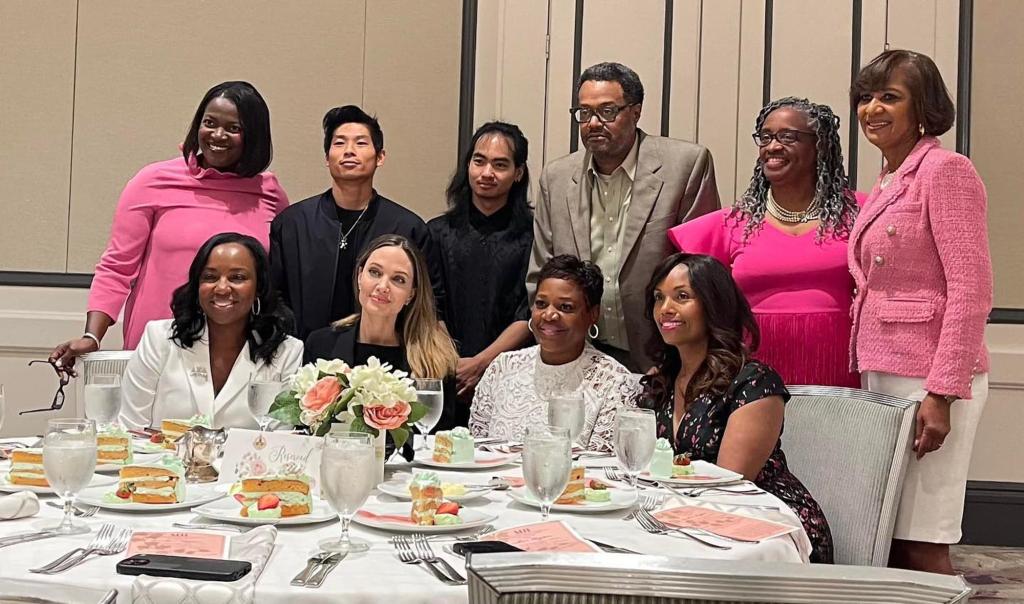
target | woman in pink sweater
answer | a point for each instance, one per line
(171, 207)
(785, 242)
(919, 255)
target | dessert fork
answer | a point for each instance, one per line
(658, 524)
(101, 538)
(81, 511)
(647, 501)
(404, 551)
(427, 553)
(648, 523)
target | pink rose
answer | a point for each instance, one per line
(387, 418)
(322, 394)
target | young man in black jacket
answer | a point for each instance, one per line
(315, 243)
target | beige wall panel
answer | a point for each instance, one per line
(411, 83)
(997, 444)
(490, 59)
(997, 127)
(37, 74)
(750, 91)
(872, 43)
(558, 128)
(930, 27)
(633, 36)
(144, 66)
(822, 74)
(685, 69)
(717, 127)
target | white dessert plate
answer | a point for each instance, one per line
(398, 486)
(146, 446)
(483, 460)
(706, 474)
(6, 486)
(227, 510)
(193, 496)
(621, 499)
(394, 517)
(138, 458)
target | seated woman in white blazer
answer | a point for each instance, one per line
(229, 328)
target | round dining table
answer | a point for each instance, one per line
(378, 575)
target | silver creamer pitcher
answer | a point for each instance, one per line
(197, 449)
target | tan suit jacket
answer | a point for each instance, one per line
(675, 181)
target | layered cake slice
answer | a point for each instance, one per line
(27, 468)
(172, 429)
(574, 491)
(273, 496)
(114, 446)
(454, 446)
(159, 482)
(425, 489)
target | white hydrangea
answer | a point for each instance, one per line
(377, 385)
(304, 378)
(332, 367)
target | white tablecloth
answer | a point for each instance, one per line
(376, 576)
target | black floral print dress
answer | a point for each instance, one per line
(703, 426)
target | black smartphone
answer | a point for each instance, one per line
(463, 548)
(203, 569)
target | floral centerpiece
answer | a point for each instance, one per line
(376, 397)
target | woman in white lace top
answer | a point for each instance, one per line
(513, 392)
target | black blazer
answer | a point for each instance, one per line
(304, 254)
(329, 343)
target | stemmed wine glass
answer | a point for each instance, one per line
(567, 411)
(69, 460)
(348, 472)
(429, 393)
(261, 397)
(547, 461)
(635, 432)
(102, 397)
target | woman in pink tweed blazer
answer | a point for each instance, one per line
(920, 261)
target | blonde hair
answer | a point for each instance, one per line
(428, 347)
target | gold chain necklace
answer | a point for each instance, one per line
(813, 211)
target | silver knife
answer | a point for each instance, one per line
(314, 561)
(16, 539)
(325, 569)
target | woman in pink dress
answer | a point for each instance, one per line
(170, 208)
(785, 242)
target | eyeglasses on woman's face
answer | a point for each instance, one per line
(785, 137)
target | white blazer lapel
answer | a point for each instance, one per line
(195, 361)
(237, 384)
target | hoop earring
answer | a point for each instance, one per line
(529, 324)
(596, 332)
(256, 308)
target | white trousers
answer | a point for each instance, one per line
(932, 504)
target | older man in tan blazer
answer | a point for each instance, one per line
(612, 202)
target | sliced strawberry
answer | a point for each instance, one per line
(123, 493)
(448, 507)
(267, 502)
(240, 498)
(158, 437)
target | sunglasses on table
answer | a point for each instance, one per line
(58, 398)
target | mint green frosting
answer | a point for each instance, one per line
(446, 519)
(255, 512)
(597, 495)
(113, 498)
(661, 461)
(462, 445)
(426, 479)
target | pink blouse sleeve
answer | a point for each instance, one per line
(122, 260)
(708, 234)
(273, 190)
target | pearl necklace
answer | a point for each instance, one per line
(812, 212)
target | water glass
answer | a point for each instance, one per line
(635, 435)
(348, 473)
(567, 411)
(69, 460)
(102, 397)
(547, 461)
(429, 392)
(261, 397)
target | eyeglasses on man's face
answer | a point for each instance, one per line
(58, 398)
(785, 137)
(604, 113)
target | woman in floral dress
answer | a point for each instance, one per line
(711, 399)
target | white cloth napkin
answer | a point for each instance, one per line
(19, 505)
(254, 547)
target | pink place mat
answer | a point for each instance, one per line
(690, 477)
(396, 518)
(516, 481)
(723, 523)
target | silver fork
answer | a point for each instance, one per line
(403, 548)
(116, 543)
(427, 554)
(314, 561)
(658, 524)
(101, 538)
(80, 511)
(697, 492)
(647, 501)
(646, 521)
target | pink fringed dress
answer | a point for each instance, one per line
(799, 288)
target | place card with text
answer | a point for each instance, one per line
(254, 453)
(550, 536)
(194, 545)
(736, 526)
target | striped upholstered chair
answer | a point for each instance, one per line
(851, 449)
(521, 578)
